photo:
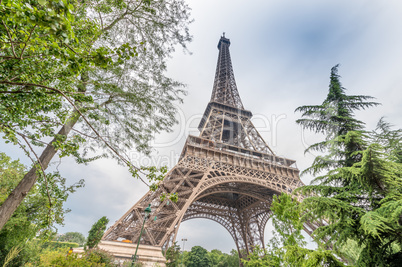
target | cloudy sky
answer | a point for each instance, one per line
(282, 52)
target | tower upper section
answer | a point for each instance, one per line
(225, 89)
(225, 121)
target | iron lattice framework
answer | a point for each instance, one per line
(228, 174)
(225, 89)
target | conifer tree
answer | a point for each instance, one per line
(334, 118)
(360, 196)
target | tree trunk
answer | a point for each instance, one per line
(18, 194)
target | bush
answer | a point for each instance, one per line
(100, 256)
(60, 258)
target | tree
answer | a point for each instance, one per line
(86, 75)
(96, 232)
(217, 258)
(198, 257)
(286, 215)
(288, 226)
(220, 259)
(29, 220)
(259, 258)
(334, 118)
(184, 258)
(72, 237)
(362, 203)
(173, 255)
(286, 248)
(359, 197)
(359, 183)
(232, 260)
(19, 228)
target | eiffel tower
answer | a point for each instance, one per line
(227, 174)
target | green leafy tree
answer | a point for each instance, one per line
(286, 248)
(184, 258)
(31, 216)
(42, 44)
(217, 258)
(258, 258)
(86, 75)
(286, 215)
(72, 237)
(173, 255)
(96, 232)
(198, 257)
(287, 224)
(19, 228)
(359, 195)
(232, 259)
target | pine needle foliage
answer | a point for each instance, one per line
(334, 118)
(308, 258)
(359, 197)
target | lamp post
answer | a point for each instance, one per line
(147, 212)
(184, 240)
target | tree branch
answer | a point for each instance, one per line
(8, 57)
(26, 43)
(69, 47)
(128, 163)
(122, 16)
(40, 165)
(11, 40)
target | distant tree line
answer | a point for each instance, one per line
(200, 257)
(75, 237)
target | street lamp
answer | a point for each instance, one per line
(184, 240)
(147, 212)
